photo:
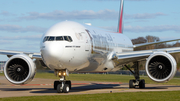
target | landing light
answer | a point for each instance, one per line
(60, 73)
(64, 74)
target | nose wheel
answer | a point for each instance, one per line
(66, 88)
(63, 85)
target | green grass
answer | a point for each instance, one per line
(127, 96)
(46, 75)
(1, 74)
(105, 78)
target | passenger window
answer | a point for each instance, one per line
(59, 38)
(51, 38)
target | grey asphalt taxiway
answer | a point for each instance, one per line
(38, 87)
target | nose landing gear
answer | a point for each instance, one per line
(63, 85)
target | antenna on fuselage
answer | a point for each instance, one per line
(120, 20)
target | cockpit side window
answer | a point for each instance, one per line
(70, 39)
(66, 38)
(46, 38)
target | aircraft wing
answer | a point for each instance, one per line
(152, 43)
(11, 53)
(126, 57)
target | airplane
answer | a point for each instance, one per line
(69, 46)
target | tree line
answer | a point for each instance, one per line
(148, 39)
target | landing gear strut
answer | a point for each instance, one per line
(63, 85)
(136, 81)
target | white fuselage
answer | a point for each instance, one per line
(76, 47)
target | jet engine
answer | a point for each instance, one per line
(161, 67)
(19, 69)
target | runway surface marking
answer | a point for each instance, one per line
(72, 84)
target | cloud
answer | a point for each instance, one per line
(87, 14)
(17, 28)
(25, 47)
(6, 13)
(21, 43)
(143, 15)
(161, 28)
(84, 14)
(2, 41)
(116, 0)
(140, 29)
(31, 38)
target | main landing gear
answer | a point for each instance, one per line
(136, 82)
(63, 85)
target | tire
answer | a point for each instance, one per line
(55, 84)
(131, 84)
(69, 83)
(142, 84)
(66, 88)
(59, 88)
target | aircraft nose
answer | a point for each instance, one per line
(53, 52)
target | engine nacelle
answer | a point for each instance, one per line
(161, 67)
(19, 69)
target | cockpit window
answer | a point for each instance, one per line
(58, 38)
(51, 38)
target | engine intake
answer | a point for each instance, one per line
(161, 67)
(19, 69)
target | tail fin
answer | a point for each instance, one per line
(120, 23)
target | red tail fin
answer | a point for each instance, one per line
(120, 23)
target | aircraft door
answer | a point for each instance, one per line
(87, 42)
(90, 41)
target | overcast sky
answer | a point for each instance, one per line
(23, 22)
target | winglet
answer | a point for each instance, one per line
(120, 23)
